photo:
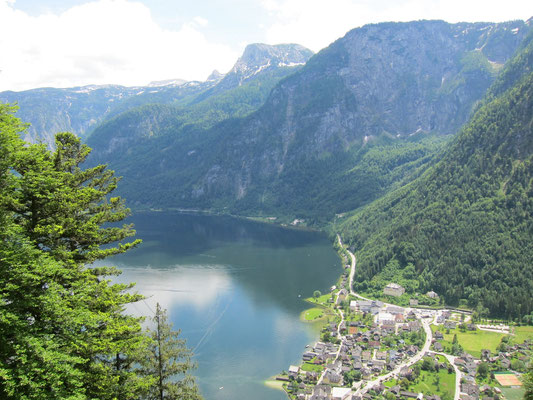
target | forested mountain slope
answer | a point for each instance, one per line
(316, 147)
(465, 228)
(80, 109)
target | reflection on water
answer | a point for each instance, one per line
(234, 288)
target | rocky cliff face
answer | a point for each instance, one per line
(258, 57)
(386, 80)
(257, 60)
(467, 222)
(308, 150)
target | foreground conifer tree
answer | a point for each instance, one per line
(62, 207)
(64, 333)
(169, 361)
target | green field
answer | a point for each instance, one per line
(322, 300)
(513, 394)
(312, 314)
(311, 367)
(429, 382)
(522, 333)
(472, 341)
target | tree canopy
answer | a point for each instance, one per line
(65, 334)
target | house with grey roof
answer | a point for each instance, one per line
(393, 289)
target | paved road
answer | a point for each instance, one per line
(340, 345)
(395, 372)
(417, 357)
(352, 270)
(458, 374)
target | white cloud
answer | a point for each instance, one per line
(105, 41)
(315, 23)
(118, 41)
(201, 22)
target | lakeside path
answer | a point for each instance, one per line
(352, 272)
(340, 345)
(395, 372)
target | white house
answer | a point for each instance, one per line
(393, 289)
(385, 316)
(340, 393)
(294, 370)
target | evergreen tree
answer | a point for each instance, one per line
(169, 361)
(62, 208)
(64, 333)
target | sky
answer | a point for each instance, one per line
(67, 43)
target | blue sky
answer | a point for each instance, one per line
(64, 43)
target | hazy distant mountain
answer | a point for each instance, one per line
(167, 82)
(236, 94)
(80, 109)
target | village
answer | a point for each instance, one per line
(370, 349)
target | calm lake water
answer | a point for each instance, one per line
(233, 287)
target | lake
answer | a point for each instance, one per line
(234, 287)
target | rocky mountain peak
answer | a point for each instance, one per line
(256, 60)
(259, 55)
(167, 82)
(215, 76)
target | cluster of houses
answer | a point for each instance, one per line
(359, 348)
(390, 319)
(501, 361)
(397, 391)
(327, 392)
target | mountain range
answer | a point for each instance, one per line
(313, 147)
(81, 109)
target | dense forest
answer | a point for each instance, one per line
(464, 228)
(64, 331)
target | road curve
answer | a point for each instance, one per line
(417, 357)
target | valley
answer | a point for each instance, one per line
(396, 164)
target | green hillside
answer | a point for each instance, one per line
(465, 228)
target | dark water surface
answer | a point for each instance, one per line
(232, 286)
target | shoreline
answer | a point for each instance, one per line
(273, 383)
(258, 219)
